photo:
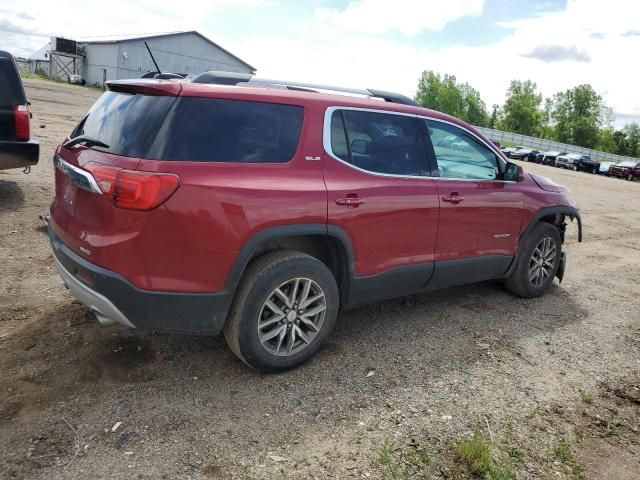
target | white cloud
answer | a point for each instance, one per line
(329, 54)
(409, 17)
(77, 18)
(329, 48)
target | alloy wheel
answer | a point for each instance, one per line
(291, 317)
(542, 261)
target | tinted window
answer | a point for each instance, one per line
(377, 142)
(11, 91)
(460, 154)
(214, 130)
(11, 94)
(127, 123)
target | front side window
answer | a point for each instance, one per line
(377, 142)
(459, 154)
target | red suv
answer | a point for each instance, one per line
(261, 209)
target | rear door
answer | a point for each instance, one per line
(480, 214)
(378, 194)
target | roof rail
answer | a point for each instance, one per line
(232, 78)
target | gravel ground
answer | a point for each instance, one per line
(551, 387)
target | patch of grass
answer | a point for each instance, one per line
(613, 429)
(586, 398)
(516, 453)
(476, 454)
(562, 452)
(411, 461)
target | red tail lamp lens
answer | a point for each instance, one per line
(134, 190)
(21, 117)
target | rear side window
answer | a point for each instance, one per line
(193, 129)
(217, 130)
(128, 123)
(377, 142)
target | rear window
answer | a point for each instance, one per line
(216, 130)
(128, 123)
(193, 129)
(11, 91)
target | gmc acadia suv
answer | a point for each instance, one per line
(261, 209)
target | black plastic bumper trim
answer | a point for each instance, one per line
(193, 313)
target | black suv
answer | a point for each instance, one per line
(17, 148)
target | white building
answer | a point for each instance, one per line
(102, 59)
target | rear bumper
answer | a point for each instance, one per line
(115, 300)
(18, 154)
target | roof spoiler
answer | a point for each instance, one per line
(145, 87)
(232, 78)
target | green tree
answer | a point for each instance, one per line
(445, 94)
(493, 120)
(606, 140)
(632, 134)
(547, 129)
(521, 112)
(621, 143)
(578, 114)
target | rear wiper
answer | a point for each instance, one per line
(86, 141)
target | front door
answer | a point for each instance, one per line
(378, 196)
(480, 214)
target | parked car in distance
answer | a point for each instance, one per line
(576, 161)
(627, 169)
(17, 148)
(549, 158)
(77, 79)
(525, 154)
(291, 212)
(510, 150)
(604, 168)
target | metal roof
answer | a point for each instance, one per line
(126, 38)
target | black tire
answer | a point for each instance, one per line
(260, 280)
(630, 177)
(519, 283)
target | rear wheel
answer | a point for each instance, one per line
(575, 168)
(630, 177)
(284, 310)
(537, 263)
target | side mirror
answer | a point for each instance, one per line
(513, 173)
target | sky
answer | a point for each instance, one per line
(382, 44)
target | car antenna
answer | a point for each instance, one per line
(151, 55)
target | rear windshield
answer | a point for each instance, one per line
(127, 123)
(11, 91)
(194, 129)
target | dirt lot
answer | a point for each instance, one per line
(551, 387)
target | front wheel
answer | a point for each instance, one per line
(630, 177)
(537, 262)
(284, 310)
(575, 168)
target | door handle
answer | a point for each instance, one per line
(350, 201)
(454, 198)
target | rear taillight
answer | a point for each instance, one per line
(131, 189)
(21, 116)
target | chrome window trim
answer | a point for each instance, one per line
(73, 172)
(326, 142)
